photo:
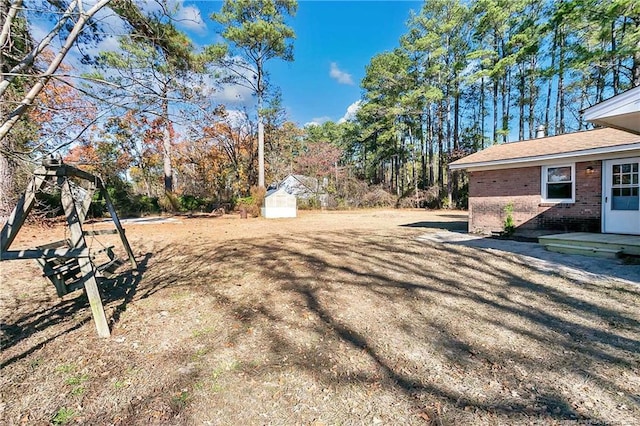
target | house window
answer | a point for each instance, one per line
(558, 184)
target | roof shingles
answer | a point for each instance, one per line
(569, 143)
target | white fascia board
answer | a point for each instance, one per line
(629, 122)
(586, 155)
(624, 103)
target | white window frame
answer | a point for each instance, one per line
(543, 188)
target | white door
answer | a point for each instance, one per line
(620, 196)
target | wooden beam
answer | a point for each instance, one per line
(86, 266)
(76, 172)
(116, 221)
(93, 294)
(86, 202)
(43, 253)
(67, 170)
(20, 212)
(101, 232)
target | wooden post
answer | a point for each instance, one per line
(20, 213)
(55, 258)
(116, 221)
(86, 267)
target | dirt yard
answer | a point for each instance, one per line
(373, 317)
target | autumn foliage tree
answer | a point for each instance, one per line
(318, 160)
(62, 114)
(26, 72)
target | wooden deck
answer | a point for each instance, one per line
(588, 244)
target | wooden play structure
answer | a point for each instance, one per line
(70, 264)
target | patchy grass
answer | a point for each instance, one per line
(342, 318)
(63, 416)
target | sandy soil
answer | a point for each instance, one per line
(368, 317)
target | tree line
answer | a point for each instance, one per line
(465, 75)
(141, 115)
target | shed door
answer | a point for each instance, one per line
(621, 197)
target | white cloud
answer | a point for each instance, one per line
(108, 44)
(233, 94)
(351, 111)
(317, 121)
(190, 18)
(236, 95)
(237, 118)
(340, 76)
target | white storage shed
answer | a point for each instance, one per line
(278, 203)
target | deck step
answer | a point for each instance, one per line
(625, 244)
(583, 250)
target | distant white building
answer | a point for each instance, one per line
(305, 188)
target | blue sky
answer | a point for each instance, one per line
(335, 41)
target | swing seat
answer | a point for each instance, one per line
(68, 269)
(69, 264)
(107, 270)
(63, 273)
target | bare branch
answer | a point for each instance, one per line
(6, 27)
(31, 56)
(14, 116)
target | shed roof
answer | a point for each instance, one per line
(277, 191)
(579, 144)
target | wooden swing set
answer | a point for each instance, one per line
(70, 264)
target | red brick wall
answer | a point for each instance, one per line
(490, 191)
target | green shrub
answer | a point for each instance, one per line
(252, 203)
(63, 416)
(147, 205)
(190, 203)
(509, 226)
(311, 203)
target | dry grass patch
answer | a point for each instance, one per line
(327, 319)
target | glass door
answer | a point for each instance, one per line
(621, 196)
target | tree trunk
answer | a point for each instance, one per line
(533, 96)
(483, 114)
(560, 91)
(456, 117)
(424, 180)
(495, 110)
(635, 69)
(521, 101)
(260, 93)
(616, 65)
(506, 103)
(166, 143)
(441, 159)
(496, 81)
(547, 110)
(7, 171)
(260, 151)
(7, 195)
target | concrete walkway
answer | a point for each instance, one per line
(582, 269)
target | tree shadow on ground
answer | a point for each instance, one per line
(378, 296)
(457, 332)
(454, 226)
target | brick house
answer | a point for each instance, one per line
(585, 181)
